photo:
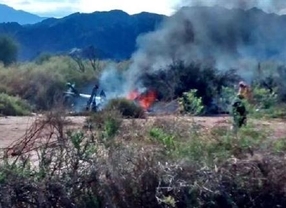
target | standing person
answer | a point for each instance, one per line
(245, 91)
(92, 99)
(239, 112)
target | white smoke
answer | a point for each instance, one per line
(269, 6)
(111, 81)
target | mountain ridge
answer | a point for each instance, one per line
(114, 33)
(9, 14)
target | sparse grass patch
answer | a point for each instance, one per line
(279, 145)
(98, 119)
(13, 106)
(220, 144)
(167, 140)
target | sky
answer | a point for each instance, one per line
(61, 8)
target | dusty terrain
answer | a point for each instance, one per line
(14, 128)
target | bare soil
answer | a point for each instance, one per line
(14, 128)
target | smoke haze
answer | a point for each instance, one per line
(270, 6)
(212, 35)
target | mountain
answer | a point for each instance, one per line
(8, 14)
(113, 33)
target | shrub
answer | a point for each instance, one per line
(126, 107)
(265, 103)
(179, 77)
(43, 57)
(13, 106)
(163, 138)
(271, 75)
(8, 50)
(41, 84)
(76, 169)
(225, 99)
(190, 103)
(264, 98)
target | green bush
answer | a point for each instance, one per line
(126, 107)
(190, 103)
(13, 106)
(163, 138)
(266, 104)
(106, 123)
(8, 50)
(225, 99)
(263, 98)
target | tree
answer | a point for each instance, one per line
(8, 50)
(76, 55)
(91, 53)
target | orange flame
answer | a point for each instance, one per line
(145, 100)
(133, 95)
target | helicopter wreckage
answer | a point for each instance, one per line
(80, 102)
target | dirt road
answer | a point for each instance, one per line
(13, 128)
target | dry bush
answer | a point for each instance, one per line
(13, 106)
(93, 168)
(126, 107)
(40, 83)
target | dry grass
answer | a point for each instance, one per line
(170, 161)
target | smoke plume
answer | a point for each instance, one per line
(269, 6)
(230, 38)
(225, 38)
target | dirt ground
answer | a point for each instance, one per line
(14, 128)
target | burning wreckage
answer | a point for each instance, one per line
(96, 101)
(93, 103)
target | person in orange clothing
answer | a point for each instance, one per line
(245, 91)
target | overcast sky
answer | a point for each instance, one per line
(60, 8)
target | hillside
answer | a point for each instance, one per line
(113, 33)
(8, 14)
(252, 33)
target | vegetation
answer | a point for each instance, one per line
(190, 103)
(126, 107)
(9, 50)
(178, 78)
(42, 83)
(13, 106)
(146, 166)
(111, 161)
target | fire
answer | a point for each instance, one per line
(145, 100)
(133, 95)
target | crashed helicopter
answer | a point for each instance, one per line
(74, 100)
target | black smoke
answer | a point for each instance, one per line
(210, 37)
(228, 38)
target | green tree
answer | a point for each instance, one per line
(8, 50)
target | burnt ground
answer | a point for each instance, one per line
(14, 128)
